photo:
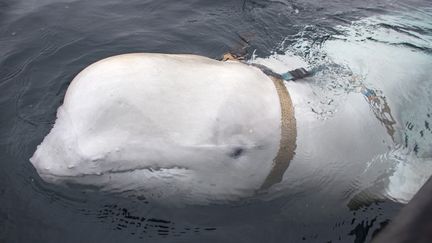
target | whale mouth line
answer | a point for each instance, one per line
(113, 172)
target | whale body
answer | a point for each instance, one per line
(169, 127)
(189, 129)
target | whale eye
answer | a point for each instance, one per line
(236, 152)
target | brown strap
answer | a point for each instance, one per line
(288, 136)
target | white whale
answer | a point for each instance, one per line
(185, 128)
(173, 127)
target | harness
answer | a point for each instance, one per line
(287, 143)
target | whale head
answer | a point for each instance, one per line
(200, 131)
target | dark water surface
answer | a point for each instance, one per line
(44, 44)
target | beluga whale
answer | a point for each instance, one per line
(180, 128)
(171, 127)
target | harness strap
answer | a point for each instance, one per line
(287, 144)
